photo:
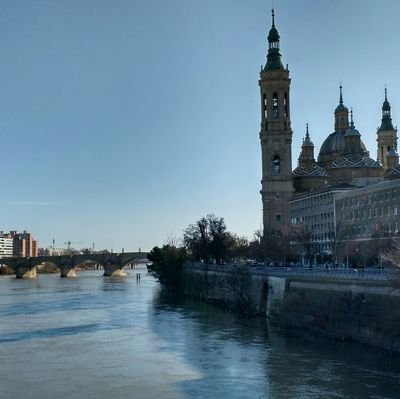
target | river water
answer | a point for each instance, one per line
(94, 337)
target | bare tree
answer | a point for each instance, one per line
(302, 241)
(392, 256)
(173, 241)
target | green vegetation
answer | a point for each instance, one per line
(207, 241)
(167, 265)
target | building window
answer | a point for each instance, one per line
(277, 165)
(278, 218)
(395, 210)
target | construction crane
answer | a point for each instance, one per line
(68, 243)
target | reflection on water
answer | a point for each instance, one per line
(96, 337)
(245, 354)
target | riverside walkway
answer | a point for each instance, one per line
(314, 272)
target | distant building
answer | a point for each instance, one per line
(371, 213)
(314, 212)
(23, 244)
(6, 247)
(50, 251)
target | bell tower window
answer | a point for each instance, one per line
(265, 112)
(277, 165)
(285, 106)
(275, 113)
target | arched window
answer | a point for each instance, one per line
(265, 106)
(277, 165)
(285, 106)
(275, 105)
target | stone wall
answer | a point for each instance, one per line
(362, 311)
(366, 313)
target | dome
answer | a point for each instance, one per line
(335, 143)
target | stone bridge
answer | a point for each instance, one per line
(112, 263)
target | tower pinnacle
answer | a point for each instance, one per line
(341, 95)
(307, 141)
(351, 119)
(274, 56)
(387, 138)
(386, 115)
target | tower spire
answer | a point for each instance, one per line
(307, 150)
(341, 95)
(307, 141)
(386, 114)
(387, 137)
(274, 56)
(341, 113)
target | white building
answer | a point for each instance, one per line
(6, 247)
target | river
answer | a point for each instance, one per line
(94, 337)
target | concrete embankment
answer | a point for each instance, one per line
(343, 307)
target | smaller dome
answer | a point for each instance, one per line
(341, 108)
(386, 105)
(273, 35)
(352, 132)
(307, 141)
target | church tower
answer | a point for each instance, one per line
(387, 135)
(276, 139)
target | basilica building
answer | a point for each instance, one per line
(344, 165)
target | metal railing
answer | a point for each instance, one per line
(314, 272)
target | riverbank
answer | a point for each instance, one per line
(360, 308)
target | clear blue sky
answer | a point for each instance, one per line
(123, 121)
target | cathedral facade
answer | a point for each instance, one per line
(343, 161)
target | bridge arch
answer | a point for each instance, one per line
(113, 263)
